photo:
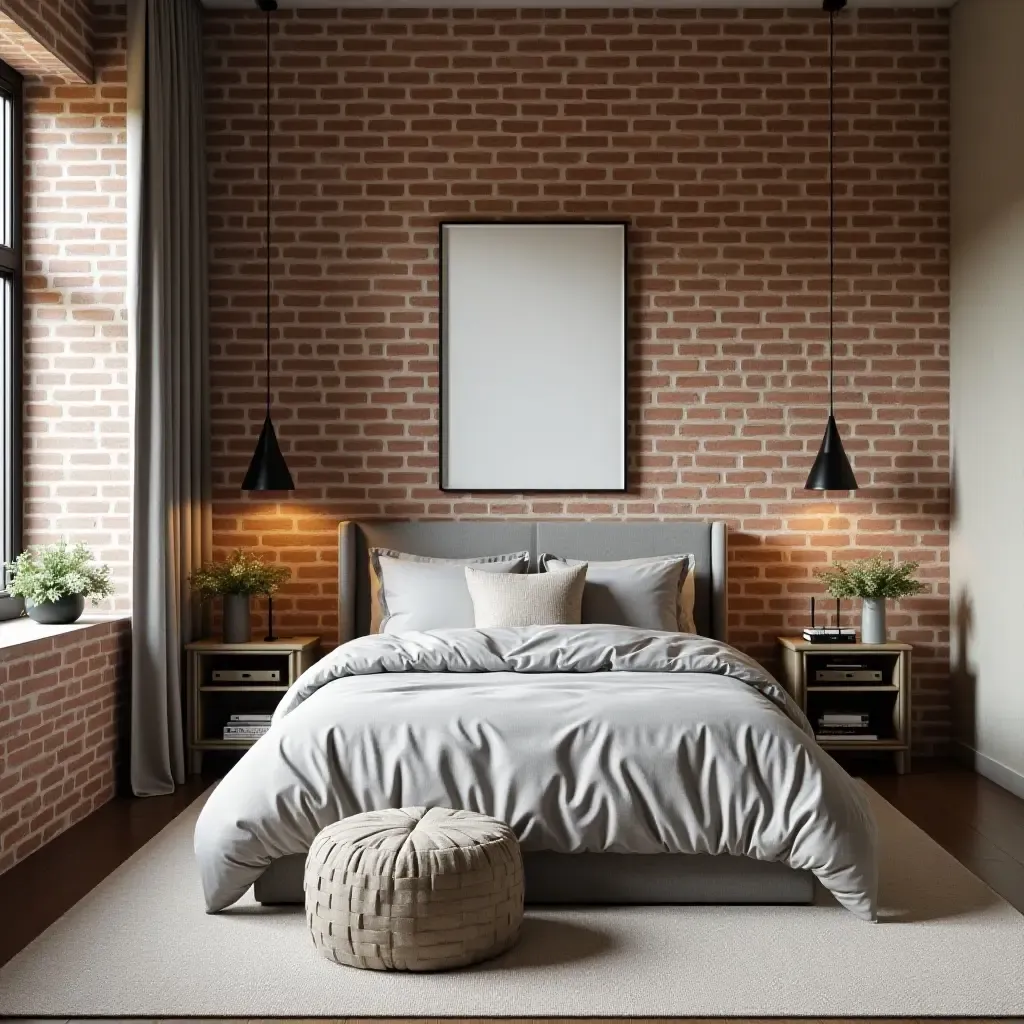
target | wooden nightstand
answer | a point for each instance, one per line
(816, 676)
(238, 679)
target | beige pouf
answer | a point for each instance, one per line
(414, 889)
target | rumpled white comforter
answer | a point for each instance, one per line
(582, 738)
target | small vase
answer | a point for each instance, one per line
(56, 613)
(872, 620)
(11, 607)
(237, 629)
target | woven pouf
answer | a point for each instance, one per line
(414, 889)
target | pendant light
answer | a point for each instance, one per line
(268, 471)
(831, 470)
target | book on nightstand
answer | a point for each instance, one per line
(246, 727)
(843, 725)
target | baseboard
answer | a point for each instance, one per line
(993, 770)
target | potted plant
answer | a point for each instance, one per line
(236, 579)
(873, 580)
(55, 580)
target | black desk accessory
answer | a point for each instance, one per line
(838, 634)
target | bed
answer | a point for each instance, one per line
(635, 766)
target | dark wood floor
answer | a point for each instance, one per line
(34, 893)
(976, 821)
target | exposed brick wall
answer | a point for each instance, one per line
(48, 37)
(59, 704)
(707, 130)
(76, 413)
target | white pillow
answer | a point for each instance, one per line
(410, 592)
(544, 599)
(648, 593)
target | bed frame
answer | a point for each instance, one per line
(588, 878)
(603, 541)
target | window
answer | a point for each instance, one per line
(10, 316)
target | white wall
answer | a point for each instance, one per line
(987, 281)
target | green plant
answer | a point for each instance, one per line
(240, 573)
(871, 578)
(45, 574)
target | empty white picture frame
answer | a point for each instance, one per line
(533, 356)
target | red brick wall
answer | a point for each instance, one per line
(707, 130)
(76, 413)
(59, 701)
(48, 37)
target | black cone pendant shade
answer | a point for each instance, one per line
(268, 471)
(831, 470)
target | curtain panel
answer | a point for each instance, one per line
(168, 329)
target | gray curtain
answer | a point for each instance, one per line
(167, 310)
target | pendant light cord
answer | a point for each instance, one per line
(268, 213)
(831, 206)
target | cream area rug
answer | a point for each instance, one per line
(141, 945)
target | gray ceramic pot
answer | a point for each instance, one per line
(56, 613)
(872, 620)
(11, 607)
(237, 629)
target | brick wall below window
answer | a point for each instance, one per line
(59, 706)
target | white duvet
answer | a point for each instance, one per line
(583, 738)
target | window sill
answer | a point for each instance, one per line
(18, 633)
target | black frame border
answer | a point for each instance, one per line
(13, 83)
(442, 319)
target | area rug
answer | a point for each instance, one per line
(141, 945)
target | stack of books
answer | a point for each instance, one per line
(246, 727)
(842, 725)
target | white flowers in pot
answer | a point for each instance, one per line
(55, 580)
(873, 580)
(237, 578)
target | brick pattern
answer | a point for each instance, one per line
(76, 413)
(707, 131)
(25, 54)
(59, 704)
(48, 37)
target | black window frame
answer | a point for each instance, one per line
(11, 343)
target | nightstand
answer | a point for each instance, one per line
(866, 682)
(241, 680)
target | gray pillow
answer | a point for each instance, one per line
(546, 599)
(648, 593)
(418, 592)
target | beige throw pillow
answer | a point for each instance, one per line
(544, 599)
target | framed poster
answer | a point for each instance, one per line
(533, 356)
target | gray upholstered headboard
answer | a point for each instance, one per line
(599, 541)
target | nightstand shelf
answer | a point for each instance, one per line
(884, 703)
(211, 701)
